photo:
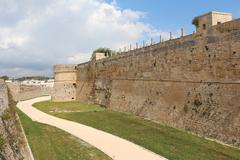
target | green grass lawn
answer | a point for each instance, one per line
(163, 140)
(73, 106)
(50, 143)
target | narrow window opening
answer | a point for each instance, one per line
(206, 47)
(75, 85)
(204, 26)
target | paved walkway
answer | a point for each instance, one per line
(115, 147)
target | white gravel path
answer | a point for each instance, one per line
(115, 147)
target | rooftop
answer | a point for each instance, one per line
(195, 20)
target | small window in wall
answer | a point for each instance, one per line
(204, 26)
(75, 85)
(219, 23)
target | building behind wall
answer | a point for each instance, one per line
(206, 21)
(98, 56)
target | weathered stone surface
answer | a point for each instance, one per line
(24, 92)
(3, 97)
(14, 146)
(191, 83)
(65, 83)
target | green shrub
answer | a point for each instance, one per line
(107, 51)
(6, 115)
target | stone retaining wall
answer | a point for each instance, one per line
(3, 96)
(24, 92)
(13, 144)
(191, 83)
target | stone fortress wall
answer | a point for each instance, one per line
(14, 146)
(23, 92)
(191, 83)
(65, 83)
(3, 96)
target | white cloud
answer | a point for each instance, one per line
(20, 72)
(9, 40)
(78, 58)
(35, 34)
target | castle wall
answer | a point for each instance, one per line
(13, 144)
(24, 92)
(65, 83)
(85, 82)
(191, 83)
(3, 96)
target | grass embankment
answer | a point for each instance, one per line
(50, 143)
(73, 106)
(166, 141)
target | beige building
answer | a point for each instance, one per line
(206, 21)
(98, 56)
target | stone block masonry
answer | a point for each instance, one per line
(13, 145)
(191, 83)
(65, 83)
(3, 96)
(24, 92)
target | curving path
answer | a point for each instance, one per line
(115, 147)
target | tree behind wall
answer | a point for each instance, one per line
(4, 77)
(107, 51)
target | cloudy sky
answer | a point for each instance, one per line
(35, 34)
